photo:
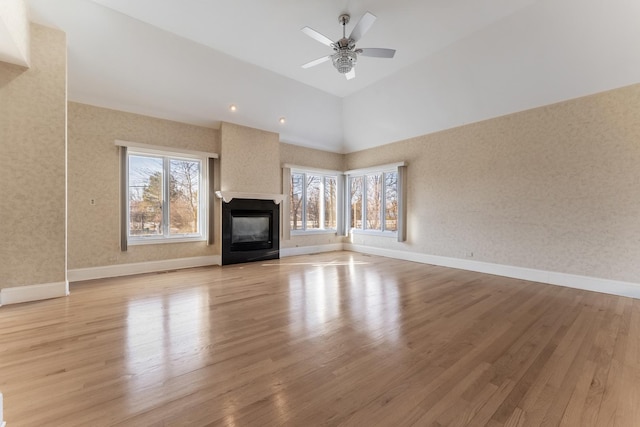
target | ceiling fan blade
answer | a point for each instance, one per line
(317, 36)
(316, 62)
(362, 26)
(351, 74)
(377, 52)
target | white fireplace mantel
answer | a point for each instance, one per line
(227, 196)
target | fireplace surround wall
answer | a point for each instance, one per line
(250, 230)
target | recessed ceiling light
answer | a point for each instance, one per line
(232, 107)
(282, 120)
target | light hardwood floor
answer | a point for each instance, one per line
(331, 339)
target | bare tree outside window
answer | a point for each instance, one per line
(145, 196)
(313, 199)
(184, 182)
(377, 194)
(296, 197)
(314, 183)
(148, 199)
(391, 201)
(330, 197)
(374, 201)
(356, 201)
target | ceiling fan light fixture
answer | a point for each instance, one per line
(344, 60)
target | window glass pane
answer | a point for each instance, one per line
(330, 197)
(356, 202)
(374, 197)
(145, 195)
(297, 180)
(391, 201)
(313, 201)
(184, 182)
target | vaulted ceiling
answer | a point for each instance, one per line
(457, 61)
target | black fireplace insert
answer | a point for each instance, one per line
(250, 231)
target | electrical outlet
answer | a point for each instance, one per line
(92, 202)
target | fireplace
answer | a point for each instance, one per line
(250, 230)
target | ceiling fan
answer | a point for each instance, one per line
(345, 53)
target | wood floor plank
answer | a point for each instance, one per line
(335, 339)
(564, 386)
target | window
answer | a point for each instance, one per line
(313, 201)
(374, 201)
(166, 197)
(368, 200)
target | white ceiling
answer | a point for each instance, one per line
(457, 61)
(267, 32)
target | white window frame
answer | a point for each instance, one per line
(397, 168)
(167, 155)
(323, 174)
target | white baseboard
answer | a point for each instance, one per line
(117, 270)
(306, 250)
(37, 292)
(614, 287)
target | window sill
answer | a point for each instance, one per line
(311, 232)
(374, 233)
(160, 241)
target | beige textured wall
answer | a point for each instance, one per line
(32, 164)
(249, 160)
(309, 157)
(93, 164)
(302, 156)
(556, 188)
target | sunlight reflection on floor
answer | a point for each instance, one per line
(318, 296)
(165, 331)
(319, 264)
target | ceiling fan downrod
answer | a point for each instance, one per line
(345, 58)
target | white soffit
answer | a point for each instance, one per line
(14, 33)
